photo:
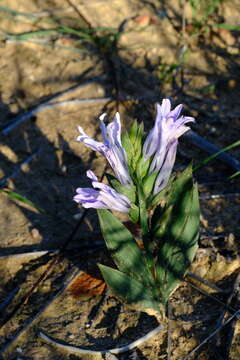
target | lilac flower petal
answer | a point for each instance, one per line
(111, 148)
(93, 144)
(183, 120)
(104, 129)
(157, 161)
(102, 196)
(88, 198)
(115, 159)
(165, 172)
(175, 113)
(114, 130)
(151, 143)
(114, 202)
(169, 126)
(181, 130)
(91, 175)
(166, 107)
(111, 191)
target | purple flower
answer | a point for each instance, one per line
(111, 147)
(103, 198)
(166, 169)
(162, 141)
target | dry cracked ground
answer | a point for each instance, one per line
(133, 54)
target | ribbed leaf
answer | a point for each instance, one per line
(142, 167)
(148, 183)
(129, 289)
(162, 196)
(21, 198)
(183, 180)
(134, 214)
(179, 237)
(124, 250)
(135, 136)
(128, 146)
(163, 217)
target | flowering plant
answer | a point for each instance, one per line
(163, 206)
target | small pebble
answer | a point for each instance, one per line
(64, 169)
(35, 233)
(78, 216)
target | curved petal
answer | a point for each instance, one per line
(175, 113)
(166, 170)
(114, 130)
(166, 107)
(102, 196)
(88, 198)
(104, 129)
(111, 148)
(91, 143)
(152, 141)
(91, 175)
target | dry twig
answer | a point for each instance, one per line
(30, 321)
(236, 314)
(204, 281)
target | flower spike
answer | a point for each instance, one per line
(162, 141)
(111, 147)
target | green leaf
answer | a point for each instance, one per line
(178, 229)
(15, 196)
(128, 146)
(142, 211)
(160, 226)
(162, 217)
(184, 179)
(142, 168)
(124, 250)
(148, 183)
(134, 213)
(237, 173)
(136, 136)
(210, 158)
(129, 289)
(226, 26)
(154, 200)
(132, 143)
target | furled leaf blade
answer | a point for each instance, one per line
(129, 289)
(179, 240)
(124, 250)
(142, 168)
(134, 214)
(128, 146)
(148, 183)
(184, 180)
(136, 136)
(15, 196)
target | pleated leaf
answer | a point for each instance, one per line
(124, 250)
(179, 235)
(129, 289)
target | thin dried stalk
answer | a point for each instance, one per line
(119, 350)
